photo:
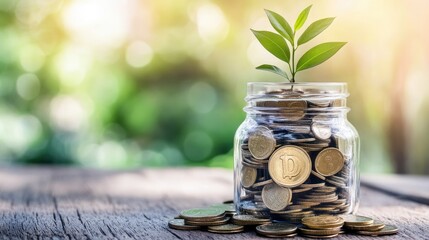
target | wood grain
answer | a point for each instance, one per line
(70, 203)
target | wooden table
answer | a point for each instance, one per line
(70, 203)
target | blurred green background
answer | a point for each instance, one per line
(131, 83)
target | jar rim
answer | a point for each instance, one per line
(299, 83)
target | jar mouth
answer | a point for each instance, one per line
(308, 91)
(271, 97)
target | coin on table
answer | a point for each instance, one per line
(321, 131)
(319, 237)
(356, 220)
(387, 230)
(228, 208)
(198, 214)
(249, 220)
(226, 228)
(276, 229)
(323, 222)
(208, 223)
(261, 142)
(319, 232)
(376, 226)
(179, 224)
(275, 197)
(329, 161)
(289, 166)
(248, 176)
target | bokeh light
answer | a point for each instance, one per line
(127, 83)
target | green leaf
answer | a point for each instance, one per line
(302, 18)
(318, 55)
(314, 29)
(280, 25)
(274, 69)
(274, 43)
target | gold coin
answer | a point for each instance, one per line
(204, 223)
(321, 131)
(376, 226)
(292, 235)
(179, 224)
(320, 237)
(300, 190)
(226, 228)
(276, 229)
(323, 222)
(329, 161)
(275, 197)
(319, 232)
(261, 142)
(312, 185)
(289, 166)
(249, 220)
(356, 220)
(387, 230)
(248, 176)
(262, 183)
(199, 213)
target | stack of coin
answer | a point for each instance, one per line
(277, 230)
(295, 157)
(204, 217)
(249, 220)
(323, 226)
(367, 226)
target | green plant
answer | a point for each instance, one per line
(284, 44)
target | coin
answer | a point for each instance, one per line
(319, 232)
(263, 183)
(319, 237)
(300, 190)
(228, 208)
(201, 213)
(323, 222)
(387, 230)
(226, 228)
(289, 166)
(376, 226)
(312, 185)
(179, 224)
(356, 220)
(276, 229)
(261, 142)
(207, 223)
(329, 161)
(321, 131)
(248, 176)
(249, 220)
(275, 197)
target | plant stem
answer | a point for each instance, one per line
(293, 64)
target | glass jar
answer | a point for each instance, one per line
(296, 154)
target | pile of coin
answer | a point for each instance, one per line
(221, 219)
(323, 226)
(277, 230)
(295, 162)
(366, 226)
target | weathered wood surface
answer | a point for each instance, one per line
(69, 203)
(415, 188)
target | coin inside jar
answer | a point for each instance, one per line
(289, 166)
(261, 142)
(275, 197)
(248, 176)
(329, 162)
